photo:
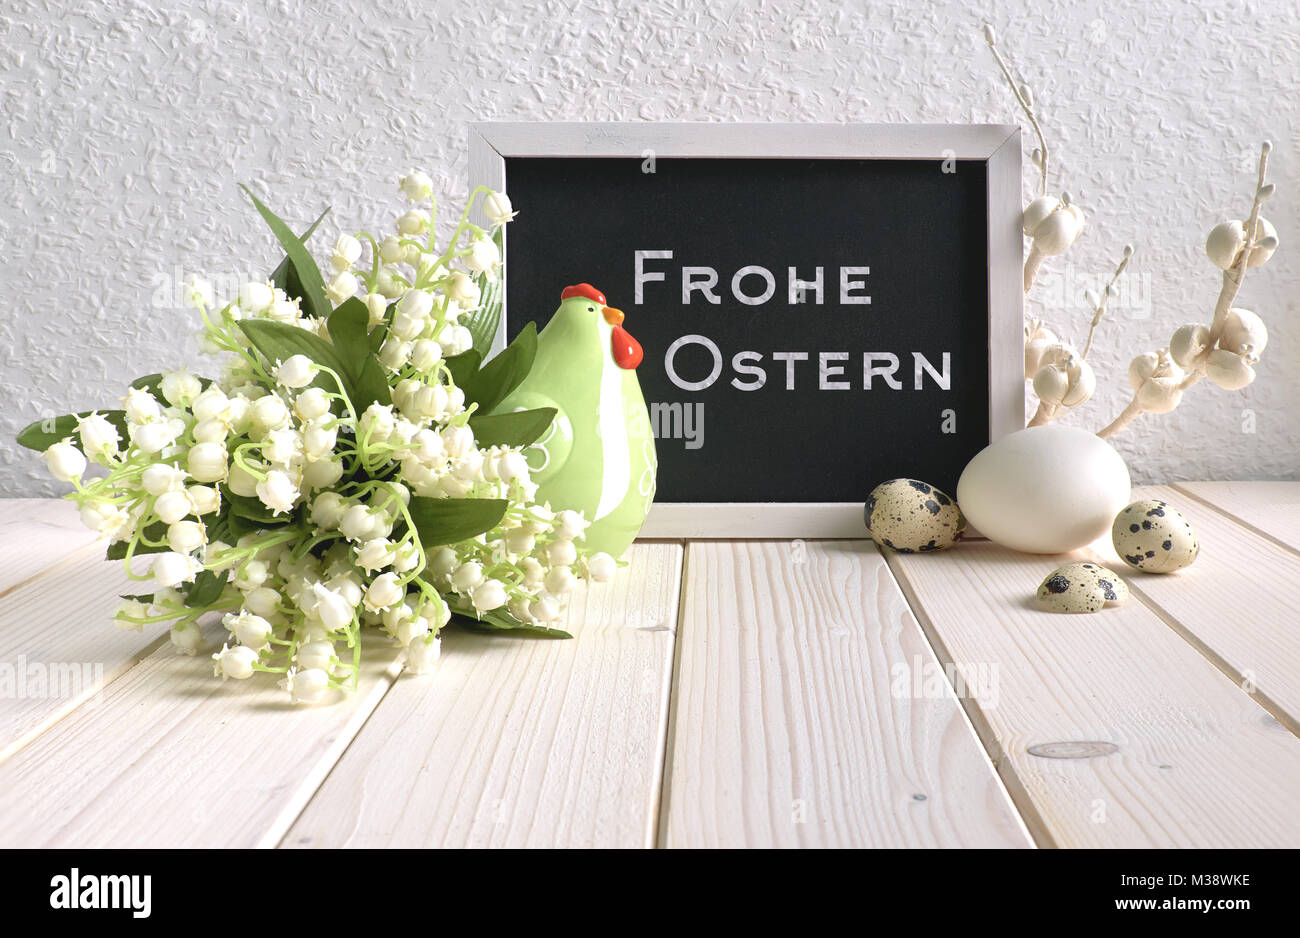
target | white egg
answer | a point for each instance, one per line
(1044, 490)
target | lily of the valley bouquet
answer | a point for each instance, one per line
(345, 470)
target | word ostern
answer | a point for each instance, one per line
(755, 285)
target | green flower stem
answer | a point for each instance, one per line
(150, 620)
(380, 449)
(237, 457)
(413, 534)
(354, 640)
(375, 261)
(463, 224)
(130, 553)
(241, 556)
(224, 340)
(363, 451)
(342, 391)
(303, 549)
(399, 279)
(441, 320)
(342, 450)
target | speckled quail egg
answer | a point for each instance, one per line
(1153, 536)
(910, 516)
(1081, 587)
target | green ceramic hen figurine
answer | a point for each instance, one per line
(598, 456)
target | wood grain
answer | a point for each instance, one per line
(796, 721)
(58, 644)
(1270, 508)
(171, 757)
(1239, 602)
(520, 742)
(36, 533)
(1195, 761)
(787, 720)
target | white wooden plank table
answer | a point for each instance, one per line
(716, 694)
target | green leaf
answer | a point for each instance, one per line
(376, 338)
(250, 509)
(314, 301)
(511, 429)
(285, 276)
(484, 321)
(463, 367)
(43, 434)
(279, 341)
(371, 385)
(218, 528)
(305, 545)
(452, 520)
(206, 588)
(380, 332)
(467, 617)
(495, 380)
(155, 532)
(153, 384)
(348, 327)
(239, 526)
(242, 514)
(138, 597)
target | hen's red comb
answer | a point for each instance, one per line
(583, 289)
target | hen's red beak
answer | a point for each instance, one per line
(627, 351)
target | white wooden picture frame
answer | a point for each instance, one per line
(490, 144)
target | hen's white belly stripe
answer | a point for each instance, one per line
(616, 472)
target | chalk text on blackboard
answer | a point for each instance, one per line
(753, 284)
(830, 371)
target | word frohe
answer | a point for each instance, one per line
(752, 285)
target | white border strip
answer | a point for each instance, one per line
(733, 520)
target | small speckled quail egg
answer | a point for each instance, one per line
(1081, 587)
(1154, 537)
(910, 516)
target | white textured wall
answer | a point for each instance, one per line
(130, 123)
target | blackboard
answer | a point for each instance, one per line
(872, 361)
